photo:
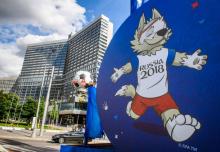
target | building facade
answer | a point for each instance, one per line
(40, 58)
(86, 50)
(7, 84)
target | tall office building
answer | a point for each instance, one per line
(41, 57)
(86, 50)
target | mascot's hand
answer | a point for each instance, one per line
(122, 91)
(126, 90)
(118, 73)
(195, 60)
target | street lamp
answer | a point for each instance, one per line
(14, 117)
(47, 98)
(41, 91)
(46, 103)
(38, 105)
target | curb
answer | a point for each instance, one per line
(26, 138)
(12, 128)
(45, 130)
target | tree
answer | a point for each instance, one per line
(29, 109)
(4, 105)
(14, 104)
(54, 113)
(8, 102)
(41, 111)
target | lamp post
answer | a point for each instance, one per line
(19, 117)
(46, 103)
(40, 95)
(14, 117)
(38, 105)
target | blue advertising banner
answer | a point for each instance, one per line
(158, 88)
(72, 148)
(93, 122)
(135, 4)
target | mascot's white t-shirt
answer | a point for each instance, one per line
(152, 74)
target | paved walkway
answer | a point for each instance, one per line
(19, 145)
(21, 141)
(25, 134)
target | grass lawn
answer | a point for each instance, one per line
(26, 126)
(20, 125)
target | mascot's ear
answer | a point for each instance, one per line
(155, 14)
(141, 22)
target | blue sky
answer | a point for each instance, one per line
(116, 10)
(23, 22)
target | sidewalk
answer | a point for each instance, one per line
(21, 141)
(26, 134)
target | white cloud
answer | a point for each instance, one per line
(10, 63)
(12, 54)
(56, 18)
(62, 16)
(22, 42)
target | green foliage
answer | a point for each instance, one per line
(8, 102)
(14, 103)
(29, 109)
(20, 125)
(54, 113)
(25, 125)
(41, 111)
(4, 105)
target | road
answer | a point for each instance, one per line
(20, 141)
(18, 145)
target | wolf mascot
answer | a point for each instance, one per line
(150, 63)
